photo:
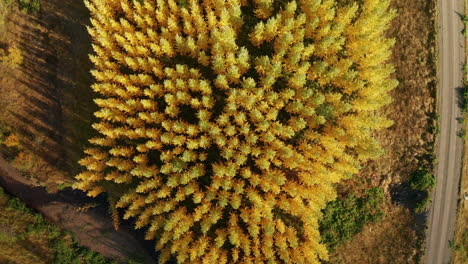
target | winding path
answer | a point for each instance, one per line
(92, 228)
(451, 55)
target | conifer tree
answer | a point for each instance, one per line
(228, 122)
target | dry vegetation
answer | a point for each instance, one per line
(460, 244)
(26, 237)
(407, 142)
(5, 9)
(39, 98)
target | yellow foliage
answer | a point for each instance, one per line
(12, 140)
(223, 133)
(12, 57)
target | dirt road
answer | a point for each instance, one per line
(443, 214)
(92, 228)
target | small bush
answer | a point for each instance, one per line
(53, 232)
(30, 6)
(23, 161)
(72, 253)
(12, 141)
(18, 205)
(342, 219)
(64, 253)
(90, 257)
(422, 180)
(12, 57)
(464, 95)
(421, 206)
(7, 238)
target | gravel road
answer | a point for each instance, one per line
(451, 57)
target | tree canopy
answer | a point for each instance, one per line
(228, 122)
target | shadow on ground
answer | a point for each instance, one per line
(58, 105)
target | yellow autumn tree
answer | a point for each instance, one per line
(228, 122)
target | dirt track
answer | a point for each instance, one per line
(443, 214)
(92, 228)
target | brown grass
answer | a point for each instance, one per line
(395, 239)
(460, 245)
(5, 9)
(389, 241)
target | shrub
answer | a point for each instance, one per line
(90, 257)
(136, 260)
(63, 253)
(12, 57)
(18, 205)
(30, 6)
(344, 218)
(24, 160)
(421, 206)
(422, 180)
(464, 96)
(71, 253)
(227, 123)
(12, 141)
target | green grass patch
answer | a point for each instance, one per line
(74, 254)
(22, 228)
(343, 218)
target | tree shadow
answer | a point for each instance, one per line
(58, 101)
(57, 112)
